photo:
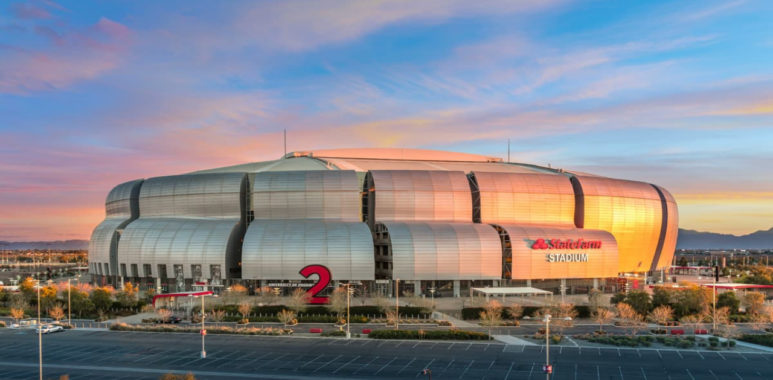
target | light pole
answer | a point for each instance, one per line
(203, 330)
(432, 295)
(548, 369)
(69, 303)
(397, 303)
(40, 338)
(349, 292)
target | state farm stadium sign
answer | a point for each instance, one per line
(564, 245)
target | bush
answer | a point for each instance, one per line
(196, 329)
(2, 324)
(452, 334)
(333, 333)
(765, 340)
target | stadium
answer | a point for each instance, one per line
(417, 219)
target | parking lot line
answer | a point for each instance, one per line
(644, 374)
(347, 363)
(712, 374)
(449, 347)
(449, 365)
(385, 365)
(366, 365)
(406, 366)
(659, 354)
(510, 369)
(468, 347)
(325, 365)
(688, 372)
(620, 369)
(739, 376)
(309, 362)
(699, 354)
(425, 367)
(679, 353)
(598, 373)
(466, 369)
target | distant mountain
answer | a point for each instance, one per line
(689, 239)
(59, 244)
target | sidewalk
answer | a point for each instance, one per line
(457, 322)
(511, 340)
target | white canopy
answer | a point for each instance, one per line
(521, 291)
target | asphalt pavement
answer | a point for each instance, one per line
(134, 355)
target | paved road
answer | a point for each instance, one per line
(133, 355)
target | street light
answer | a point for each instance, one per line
(432, 291)
(349, 292)
(397, 303)
(548, 369)
(40, 337)
(203, 329)
(69, 308)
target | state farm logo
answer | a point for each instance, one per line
(565, 244)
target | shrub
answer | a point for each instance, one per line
(765, 340)
(452, 334)
(333, 333)
(2, 324)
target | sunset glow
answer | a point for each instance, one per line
(93, 94)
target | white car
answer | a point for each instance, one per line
(45, 329)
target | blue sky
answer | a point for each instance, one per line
(94, 93)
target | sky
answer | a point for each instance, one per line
(95, 93)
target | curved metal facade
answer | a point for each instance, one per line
(572, 254)
(631, 211)
(307, 195)
(419, 195)
(444, 251)
(120, 208)
(279, 249)
(525, 198)
(185, 242)
(217, 195)
(671, 229)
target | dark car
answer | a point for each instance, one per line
(174, 319)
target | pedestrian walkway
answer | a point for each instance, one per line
(511, 340)
(457, 322)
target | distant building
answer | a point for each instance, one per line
(428, 218)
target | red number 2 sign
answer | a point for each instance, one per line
(324, 280)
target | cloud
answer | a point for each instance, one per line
(68, 57)
(29, 11)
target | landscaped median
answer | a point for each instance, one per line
(196, 329)
(711, 343)
(452, 334)
(761, 339)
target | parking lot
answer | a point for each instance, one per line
(131, 355)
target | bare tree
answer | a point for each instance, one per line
(603, 316)
(164, 315)
(661, 315)
(217, 315)
(492, 315)
(724, 327)
(299, 300)
(17, 313)
(633, 320)
(565, 314)
(691, 320)
(753, 302)
(287, 317)
(244, 309)
(516, 311)
(595, 298)
(337, 301)
(56, 312)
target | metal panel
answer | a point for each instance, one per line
(279, 249)
(216, 195)
(307, 195)
(121, 207)
(184, 242)
(525, 198)
(444, 251)
(630, 211)
(672, 230)
(421, 195)
(533, 261)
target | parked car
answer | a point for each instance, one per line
(45, 329)
(174, 319)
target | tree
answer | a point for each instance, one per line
(128, 295)
(595, 299)
(603, 316)
(164, 315)
(691, 320)
(682, 262)
(661, 314)
(244, 309)
(217, 315)
(661, 296)
(17, 314)
(630, 317)
(516, 311)
(564, 315)
(56, 312)
(729, 300)
(492, 315)
(266, 295)
(690, 300)
(639, 300)
(337, 301)
(285, 316)
(299, 300)
(102, 298)
(27, 289)
(724, 327)
(80, 302)
(47, 296)
(383, 303)
(753, 302)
